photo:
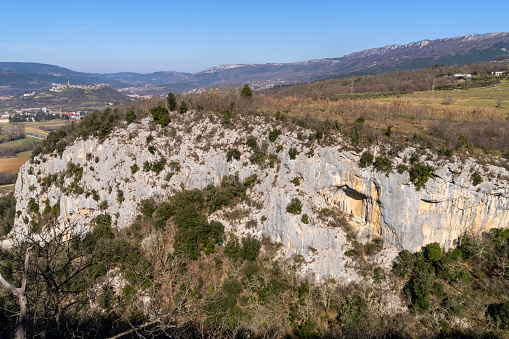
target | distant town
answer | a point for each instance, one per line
(63, 87)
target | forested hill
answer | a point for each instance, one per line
(19, 77)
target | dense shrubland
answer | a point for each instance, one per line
(469, 281)
(175, 271)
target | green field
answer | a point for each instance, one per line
(494, 98)
(24, 155)
(18, 142)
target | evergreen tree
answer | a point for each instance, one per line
(172, 101)
(246, 91)
(183, 107)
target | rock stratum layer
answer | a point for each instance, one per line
(390, 206)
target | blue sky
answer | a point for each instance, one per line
(190, 36)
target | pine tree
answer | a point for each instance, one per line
(246, 91)
(172, 101)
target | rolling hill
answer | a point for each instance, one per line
(19, 77)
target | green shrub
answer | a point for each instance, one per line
(306, 330)
(152, 149)
(295, 181)
(130, 116)
(60, 147)
(120, 196)
(274, 134)
(354, 312)
(274, 289)
(233, 248)
(305, 219)
(250, 247)
(476, 179)
(294, 207)
(402, 168)
(448, 152)
(366, 159)
(319, 135)
(134, 168)
(419, 174)
(157, 166)
(378, 275)
(233, 153)
(433, 252)
(420, 286)
(384, 164)
(33, 206)
(7, 213)
(232, 287)
(293, 153)
(55, 210)
(95, 195)
(499, 314)
(147, 166)
(175, 166)
(103, 205)
(148, 206)
(183, 107)
(102, 220)
(257, 158)
(251, 142)
(161, 115)
(47, 208)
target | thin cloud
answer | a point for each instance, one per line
(81, 28)
(72, 30)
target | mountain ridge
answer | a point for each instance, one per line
(420, 54)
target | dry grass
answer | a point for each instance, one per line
(11, 164)
(5, 189)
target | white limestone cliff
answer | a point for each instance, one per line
(390, 206)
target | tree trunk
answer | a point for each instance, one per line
(22, 324)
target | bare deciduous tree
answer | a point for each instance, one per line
(20, 292)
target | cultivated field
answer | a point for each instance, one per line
(11, 164)
(493, 100)
(13, 161)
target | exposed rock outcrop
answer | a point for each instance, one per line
(390, 206)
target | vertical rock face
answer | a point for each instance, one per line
(390, 205)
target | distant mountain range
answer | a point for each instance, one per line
(16, 78)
